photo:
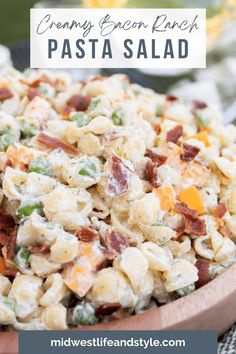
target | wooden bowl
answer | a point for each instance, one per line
(212, 307)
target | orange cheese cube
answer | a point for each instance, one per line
(204, 137)
(78, 278)
(166, 195)
(90, 254)
(192, 198)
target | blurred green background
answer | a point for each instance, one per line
(14, 20)
(15, 24)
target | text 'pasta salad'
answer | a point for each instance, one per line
(114, 199)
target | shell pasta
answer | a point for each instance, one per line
(114, 199)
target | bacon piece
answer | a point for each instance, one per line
(117, 183)
(203, 272)
(189, 152)
(116, 241)
(180, 231)
(107, 309)
(171, 98)
(174, 134)
(6, 221)
(196, 227)
(225, 231)
(199, 105)
(34, 84)
(11, 244)
(3, 238)
(31, 94)
(182, 208)
(53, 143)
(39, 249)
(157, 128)
(10, 272)
(219, 211)
(151, 173)
(83, 82)
(157, 158)
(79, 102)
(86, 234)
(5, 94)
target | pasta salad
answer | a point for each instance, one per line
(114, 199)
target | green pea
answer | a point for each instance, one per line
(27, 209)
(42, 89)
(81, 119)
(21, 257)
(201, 122)
(8, 302)
(5, 130)
(186, 290)
(88, 170)
(41, 165)
(215, 269)
(27, 129)
(93, 104)
(84, 315)
(6, 138)
(118, 117)
(159, 111)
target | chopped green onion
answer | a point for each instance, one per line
(21, 257)
(81, 119)
(27, 129)
(88, 170)
(93, 104)
(8, 302)
(186, 290)
(118, 117)
(84, 315)
(26, 210)
(41, 165)
(201, 122)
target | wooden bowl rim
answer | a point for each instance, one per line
(169, 316)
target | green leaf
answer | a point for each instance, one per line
(118, 117)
